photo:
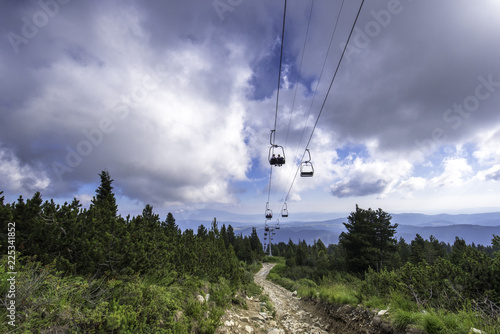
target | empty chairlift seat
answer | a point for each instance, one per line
(284, 211)
(306, 167)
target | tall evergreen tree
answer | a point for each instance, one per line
(417, 250)
(105, 198)
(369, 240)
(103, 230)
(256, 245)
(231, 237)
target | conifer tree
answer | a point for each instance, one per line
(231, 236)
(171, 226)
(417, 249)
(256, 245)
(105, 198)
(103, 230)
(369, 240)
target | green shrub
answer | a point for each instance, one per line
(454, 324)
(121, 317)
(221, 292)
(403, 318)
(399, 301)
(273, 277)
(306, 292)
(279, 269)
(433, 324)
(375, 302)
(274, 259)
(194, 308)
(342, 294)
(287, 283)
(253, 289)
(338, 294)
(307, 283)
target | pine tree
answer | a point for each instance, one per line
(417, 252)
(256, 246)
(105, 198)
(231, 236)
(103, 231)
(369, 240)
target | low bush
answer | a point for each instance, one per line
(48, 300)
(401, 319)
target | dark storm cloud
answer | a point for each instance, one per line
(86, 94)
(159, 91)
(397, 85)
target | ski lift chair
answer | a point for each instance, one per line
(268, 213)
(276, 155)
(306, 167)
(284, 211)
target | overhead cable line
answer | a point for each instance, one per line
(322, 70)
(273, 132)
(279, 74)
(296, 86)
(315, 92)
(328, 92)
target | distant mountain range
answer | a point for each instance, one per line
(473, 228)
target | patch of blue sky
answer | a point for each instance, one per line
(265, 74)
(266, 70)
(308, 84)
(434, 162)
(351, 151)
(257, 171)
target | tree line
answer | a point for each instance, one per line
(95, 271)
(98, 241)
(429, 273)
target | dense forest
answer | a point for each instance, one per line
(92, 270)
(437, 287)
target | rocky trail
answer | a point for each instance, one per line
(293, 315)
(290, 315)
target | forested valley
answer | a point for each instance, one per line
(93, 271)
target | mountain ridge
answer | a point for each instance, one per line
(477, 228)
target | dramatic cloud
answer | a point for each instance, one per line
(177, 100)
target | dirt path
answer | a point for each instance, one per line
(291, 314)
(294, 315)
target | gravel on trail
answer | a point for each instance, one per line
(292, 314)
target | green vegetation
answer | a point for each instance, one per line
(437, 287)
(93, 271)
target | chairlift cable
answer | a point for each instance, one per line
(321, 74)
(327, 94)
(270, 179)
(314, 96)
(335, 74)
(273, 132)
(296, 88)
(316, 90)
(279, 72)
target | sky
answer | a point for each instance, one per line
(176, 99)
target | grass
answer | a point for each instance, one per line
(403, 311)
(338, 294)
(268, 306)
(274, 259)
